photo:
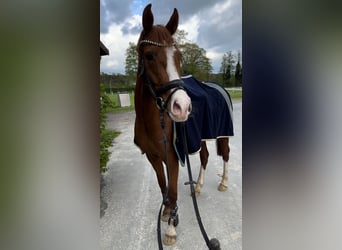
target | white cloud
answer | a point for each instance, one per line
(214, 55)
(117, 42)
(215, 58)
(215, 27)
(221, 8)
(191, 26)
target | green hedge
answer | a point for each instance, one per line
(106, 136)
(119, 89)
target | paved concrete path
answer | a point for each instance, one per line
(130, 197)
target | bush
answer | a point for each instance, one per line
(119, 89)
(106, 136)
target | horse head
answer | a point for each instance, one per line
(159, 65)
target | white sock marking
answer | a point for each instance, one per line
(201, 176)
(224, 180)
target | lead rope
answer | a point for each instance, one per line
(212, 244)
(165, 198)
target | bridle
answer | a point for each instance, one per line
(175, 85)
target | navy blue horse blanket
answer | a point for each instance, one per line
(211, 116)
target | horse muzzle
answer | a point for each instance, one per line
(179, 106)
(177, 103)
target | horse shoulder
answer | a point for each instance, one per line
(140, 134)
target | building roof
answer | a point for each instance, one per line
(103, 50)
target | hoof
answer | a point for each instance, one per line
(170, 236)
(198, 189)
(222, 187)
(169, 240)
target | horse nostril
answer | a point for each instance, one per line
(176, 106)
(190, 108)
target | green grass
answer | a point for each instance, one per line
(235, 93)
(114, 133)
(114, 98)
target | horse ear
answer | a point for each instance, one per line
(147, 18)
(173, 22)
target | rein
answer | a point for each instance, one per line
(173, 214)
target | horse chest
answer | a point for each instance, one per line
(149, 134)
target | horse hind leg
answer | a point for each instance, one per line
(223, 185)
(204, 155)
(223, 150)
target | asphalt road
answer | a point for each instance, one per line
(130, 196)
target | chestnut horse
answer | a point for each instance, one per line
(159, 100)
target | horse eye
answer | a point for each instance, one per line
(149, 56)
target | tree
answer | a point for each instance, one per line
(227, 68)
(238, 71)
(194, 61)
(180, 37)
(131, 63)
(114, 81)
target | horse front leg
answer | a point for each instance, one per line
(157, 165)
(170, 236)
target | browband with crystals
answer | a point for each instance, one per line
(154, 43)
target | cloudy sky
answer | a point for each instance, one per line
(215, 25)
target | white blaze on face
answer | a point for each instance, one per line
(170, 65)
(180, 104)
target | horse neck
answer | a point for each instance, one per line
(144, 101)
